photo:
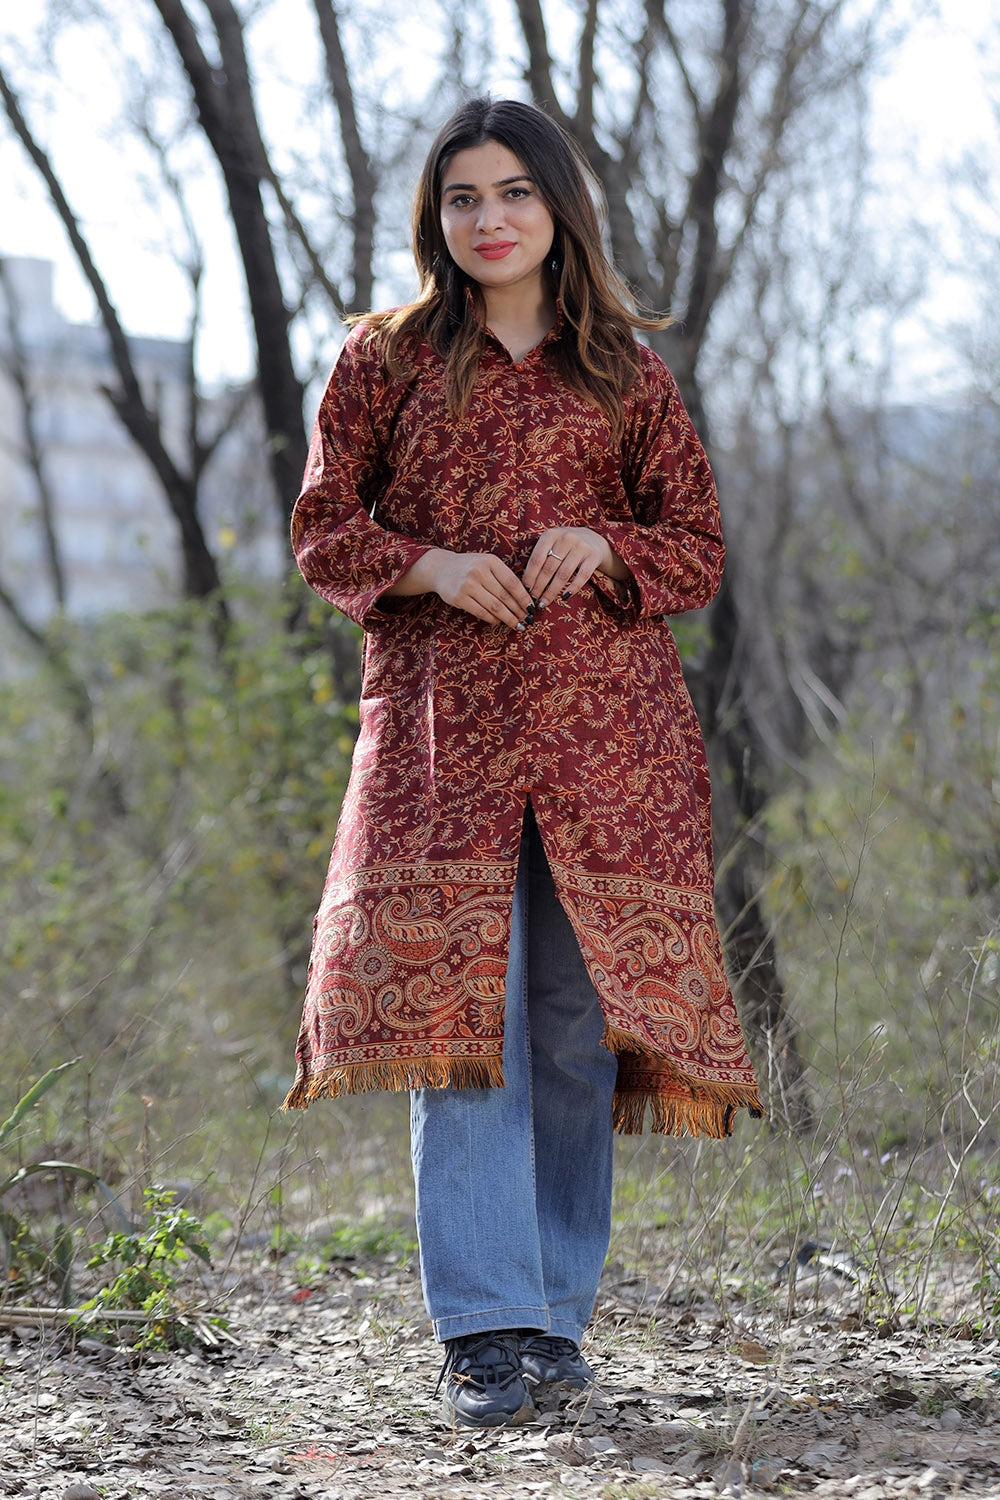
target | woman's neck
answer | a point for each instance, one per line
(520, 317)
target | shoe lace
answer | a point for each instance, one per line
(485, 1359)
(550, 1344)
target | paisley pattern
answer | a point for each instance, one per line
(585, 712)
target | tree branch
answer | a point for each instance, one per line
(299, 232)
(201, 576)
(224, 101)
(714, 142)
(587, 71)
(798, 46)
(539, 71)
(364, 182)
(17, 368)
(81, 708)
(657, 14)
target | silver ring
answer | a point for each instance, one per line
(550, 553)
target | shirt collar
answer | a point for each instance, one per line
(554, 333)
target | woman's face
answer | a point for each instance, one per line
(495, 224)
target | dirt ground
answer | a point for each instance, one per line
(328, 1393)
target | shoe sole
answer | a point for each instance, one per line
(567, 1383)
(494, 1419)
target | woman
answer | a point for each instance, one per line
(504, 489)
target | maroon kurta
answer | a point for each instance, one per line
(585, 711)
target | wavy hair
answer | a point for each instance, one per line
(597, 354)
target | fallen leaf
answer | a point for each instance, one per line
(753, 1353)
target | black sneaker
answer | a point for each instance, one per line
(550, 1361)
(483, 1384)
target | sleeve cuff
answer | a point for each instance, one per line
(618, 597)
(375, 605)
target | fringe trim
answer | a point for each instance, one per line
(681, 1107)
(396, 1075)
(684, 1106)
(710, 1110)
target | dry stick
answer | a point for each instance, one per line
(957, 1168)
(739, 1447)
(39, 1366)
(847, 1111)
(957, 1161)
(252, 1199)
(11, 1317)
(50, 1317)
(591, 1391)
(814, 1169)
(877, 1242)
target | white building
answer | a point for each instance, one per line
(116, 536)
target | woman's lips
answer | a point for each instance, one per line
(496, 250)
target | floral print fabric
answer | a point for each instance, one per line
(585, 712)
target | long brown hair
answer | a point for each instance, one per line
(597, 355)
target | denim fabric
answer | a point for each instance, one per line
(513, 1185)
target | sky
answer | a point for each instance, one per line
(931, 113)
(930, 109)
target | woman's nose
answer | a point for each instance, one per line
(490, 215)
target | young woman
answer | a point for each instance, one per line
(505, 491)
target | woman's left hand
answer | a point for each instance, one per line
(563, 561)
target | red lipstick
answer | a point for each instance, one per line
(496, 249)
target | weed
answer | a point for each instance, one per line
(149, 1265)
(631, 1489)
(30, 1257)
(372, 1236)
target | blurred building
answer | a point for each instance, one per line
(114, 533)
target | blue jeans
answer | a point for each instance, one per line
(513, 1185)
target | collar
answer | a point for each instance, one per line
(554, 333)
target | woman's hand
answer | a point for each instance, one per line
(477, 582)
(565, 559)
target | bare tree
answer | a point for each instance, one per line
(138, 416)
(224, 100)
(211, 58)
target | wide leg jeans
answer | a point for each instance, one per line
(513, 1184)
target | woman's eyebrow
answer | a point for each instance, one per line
(470, 187)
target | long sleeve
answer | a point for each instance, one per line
(673, 548)
(342, 553)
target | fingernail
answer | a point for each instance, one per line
(518, 626)
(564, 596)
(541, 604)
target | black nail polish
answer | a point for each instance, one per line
(564, 596)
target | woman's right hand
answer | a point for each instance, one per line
(477, 582)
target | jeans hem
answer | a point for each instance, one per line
(560, 1328)
(492, 1319)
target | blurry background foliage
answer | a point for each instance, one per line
(170, 778)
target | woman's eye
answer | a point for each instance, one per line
(518, 192)
(461, 200)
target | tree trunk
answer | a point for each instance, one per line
(739, 796)
(225, 104)
(737, 761)
(359, 163)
